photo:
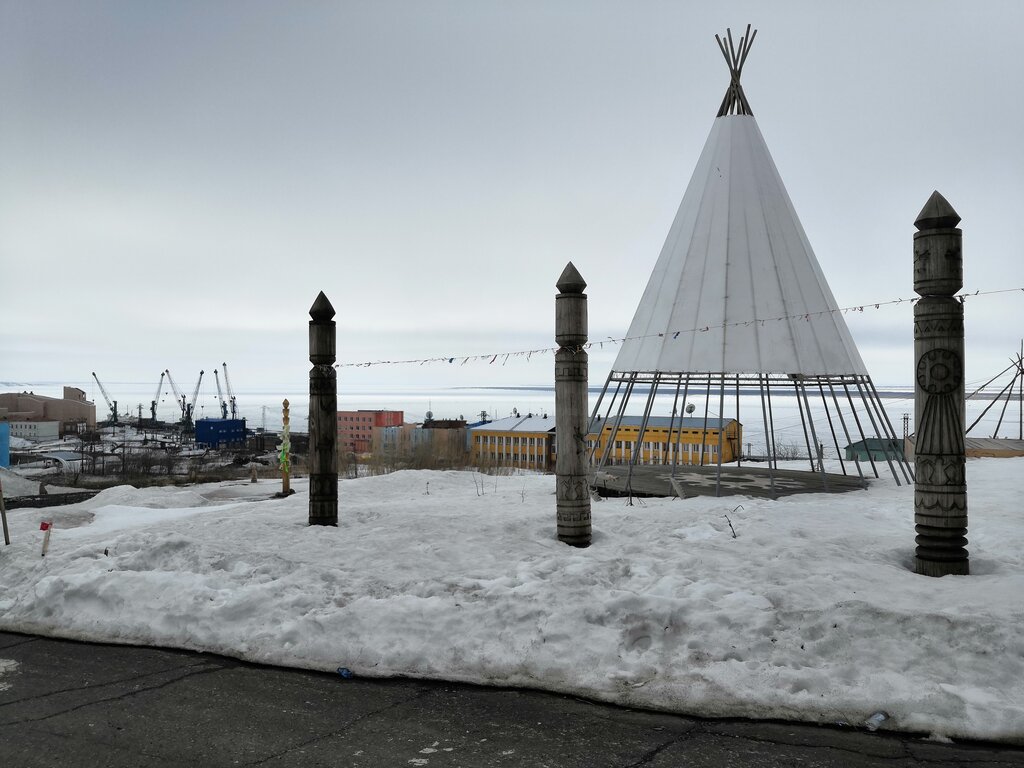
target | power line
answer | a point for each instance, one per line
(504, 357)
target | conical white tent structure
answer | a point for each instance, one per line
(738, 264)
(738, 302)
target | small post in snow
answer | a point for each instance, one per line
(572, 492)
(323, 415)
(3, 516)
(940, 490)
(47, 526)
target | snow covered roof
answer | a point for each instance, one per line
(737, 287)
(528, 423)
(538, 424)
(62, 455)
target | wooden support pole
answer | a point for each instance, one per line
(571, 376)
(940, 491)
(3, 516)
(323, 415)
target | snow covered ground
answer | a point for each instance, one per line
(810, 613)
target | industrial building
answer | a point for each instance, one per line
(220, 433)
(27, 411)
(37, 431)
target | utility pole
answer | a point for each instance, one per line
(940, 490)
(571, 375)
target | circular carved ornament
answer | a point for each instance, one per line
(939, 371)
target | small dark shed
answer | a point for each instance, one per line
(875, 448)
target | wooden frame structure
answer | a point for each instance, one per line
(1005, 395)
(832, 409)
(735, 101)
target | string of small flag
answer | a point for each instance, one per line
(503, 357)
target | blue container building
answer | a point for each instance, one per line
(5, 444)
(220, 433)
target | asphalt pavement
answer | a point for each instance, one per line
(64, 703)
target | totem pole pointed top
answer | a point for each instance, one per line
(321, 311)
(937, 214)
(570, 281)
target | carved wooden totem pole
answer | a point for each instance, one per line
(940, 493)
(285, 450)
(573, 491)
(323, 415)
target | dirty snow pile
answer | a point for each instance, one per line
(13, 484)
(810, 612)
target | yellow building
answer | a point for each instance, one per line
(526, 442)
(665, 440)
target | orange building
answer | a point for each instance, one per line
(355, 428)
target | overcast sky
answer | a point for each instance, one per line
(179, 179)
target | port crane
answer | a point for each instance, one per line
(220, 397)
(156, 397)
(186, 407)
(231, 393)
(111, 404)
(178, 397)
(195, 394)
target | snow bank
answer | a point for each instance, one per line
(810, 613)
(16, 485)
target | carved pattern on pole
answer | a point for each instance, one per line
(323, 415)
(940, 491)
(572, 490)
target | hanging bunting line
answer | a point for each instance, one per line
(528, 353)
